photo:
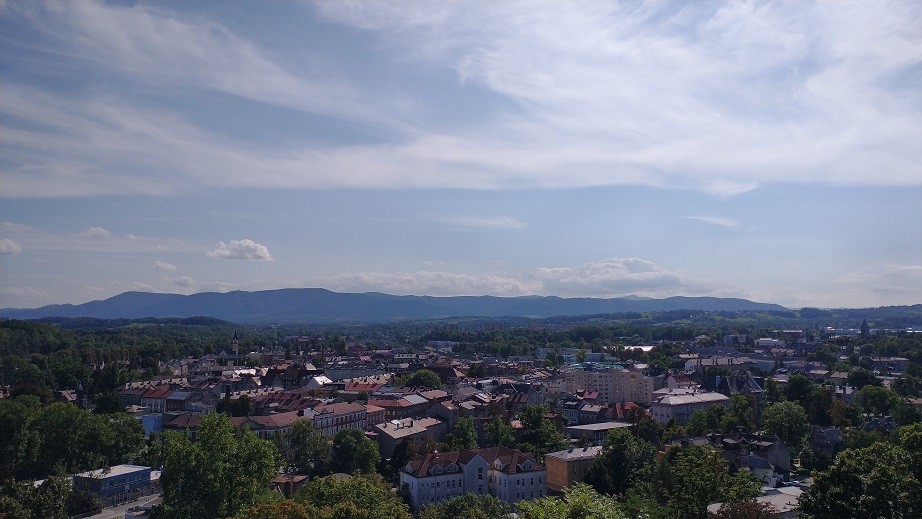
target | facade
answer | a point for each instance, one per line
(390, 434)
(507, 474)
(567, 468)
(332, 418)
(613, 384)
(681, 403)
(116, 484)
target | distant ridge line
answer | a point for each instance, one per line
(322, 305)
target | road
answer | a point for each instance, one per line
(118, 512)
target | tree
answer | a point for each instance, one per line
(539, 435)
(798, 389)
(354, 498)
(787, 421)
(464, 435)
(224, 471)
(109, 402)
(649, 430)
(499, 433)
(579, 502)
(354, 452)
(877, 400)
(772, 391)
(425, 378)
(747, 510)
(623, 459)
(860, 377)
(699, 476)
(739, 415)
(877, 481)
(467, 506)
(305, 450)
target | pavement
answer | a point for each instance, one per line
(118, 511)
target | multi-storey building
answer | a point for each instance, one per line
(612, 383)
(681, 403)
(507, 474)
(567, 468)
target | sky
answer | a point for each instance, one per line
(764, 150)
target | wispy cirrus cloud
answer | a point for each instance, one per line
(245, 249)
(485, 222)
(719, 97)
(716, 220)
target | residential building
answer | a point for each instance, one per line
(681, 403)
(507, 474)
(594, 432)
(390, 434)
(612, 383)
(568, 467)
(116, 484)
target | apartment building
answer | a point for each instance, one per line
(612, 383)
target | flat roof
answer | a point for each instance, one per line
(116, 470)
(599, 426)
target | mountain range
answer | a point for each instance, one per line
(320, 305)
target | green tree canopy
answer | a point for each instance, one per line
(423, 378)
(624, 459)
(305, 450)
(539, 435)
(877, 400)
(464, 435)
(578, 502)
(222, 472)
(467, 506)
(787, 421)
(877, 481)
(499, 433)
(354, 452)
(354, 498)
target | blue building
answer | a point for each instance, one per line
(116, 484)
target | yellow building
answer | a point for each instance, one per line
(567, 468)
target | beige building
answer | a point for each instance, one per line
(613, 384)
(569, 467)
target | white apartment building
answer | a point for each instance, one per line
(680, 403)
(507, 474)
(614, 384)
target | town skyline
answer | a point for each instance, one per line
(767, 152)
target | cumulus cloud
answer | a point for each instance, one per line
(612, 277)
(14, 227)
(432, 283)
(716, 220)
(185, 282)
(162, 265)
(141, 287)
(8, 246)
(96, 232)
(245, 249)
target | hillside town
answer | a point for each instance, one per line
(519, 428)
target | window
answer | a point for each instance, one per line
(480, 473)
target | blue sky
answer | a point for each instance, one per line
(765, 150)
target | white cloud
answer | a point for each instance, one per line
(486, 222)
(141, 287)
(14, 227)
(162, 265)
(720, 97)
(431, 283)
(716, 220)
(96, 232)
(8, 246)
(241, 249)
(23, 297)
(185, 282)
(612, 277)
